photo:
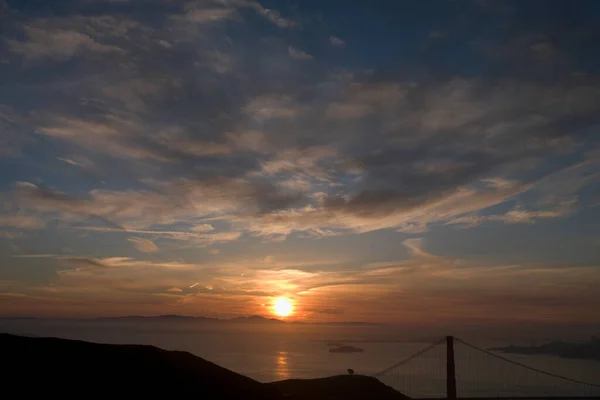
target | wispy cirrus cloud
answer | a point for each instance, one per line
(12, 235)
(175, 201)
(110, 262)
(271, 15)
(21, 221)
(76, 161)
(143, 245)
(214, 12)
(208, 15)
(60, 44)
(299, 54)
(336, 41)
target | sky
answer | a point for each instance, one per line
(387, 161)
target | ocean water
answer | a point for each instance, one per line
(270, 353)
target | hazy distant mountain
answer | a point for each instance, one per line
(257, 318)
(174, 317)
(168, 317)
(76, 369)
(249, 319)
(589, 350)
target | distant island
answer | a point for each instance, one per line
(345, 349)
(585, 351)
(74, 369)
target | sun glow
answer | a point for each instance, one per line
(282, 307)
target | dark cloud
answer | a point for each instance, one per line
(163, 202)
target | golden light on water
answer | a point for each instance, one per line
(282, 307)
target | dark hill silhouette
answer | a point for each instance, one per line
(342, 387)
(69, 368)
(77, 369)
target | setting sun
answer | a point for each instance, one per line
(282, 307)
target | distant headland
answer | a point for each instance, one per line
(345, 349)
(586, 351)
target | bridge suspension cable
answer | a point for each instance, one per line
(407, 359)
(489, 353)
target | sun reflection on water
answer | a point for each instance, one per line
(281, 365)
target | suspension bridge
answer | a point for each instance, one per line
(474, 373)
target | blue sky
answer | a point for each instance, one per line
(412, 162)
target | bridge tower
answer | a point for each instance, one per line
(450, 369)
